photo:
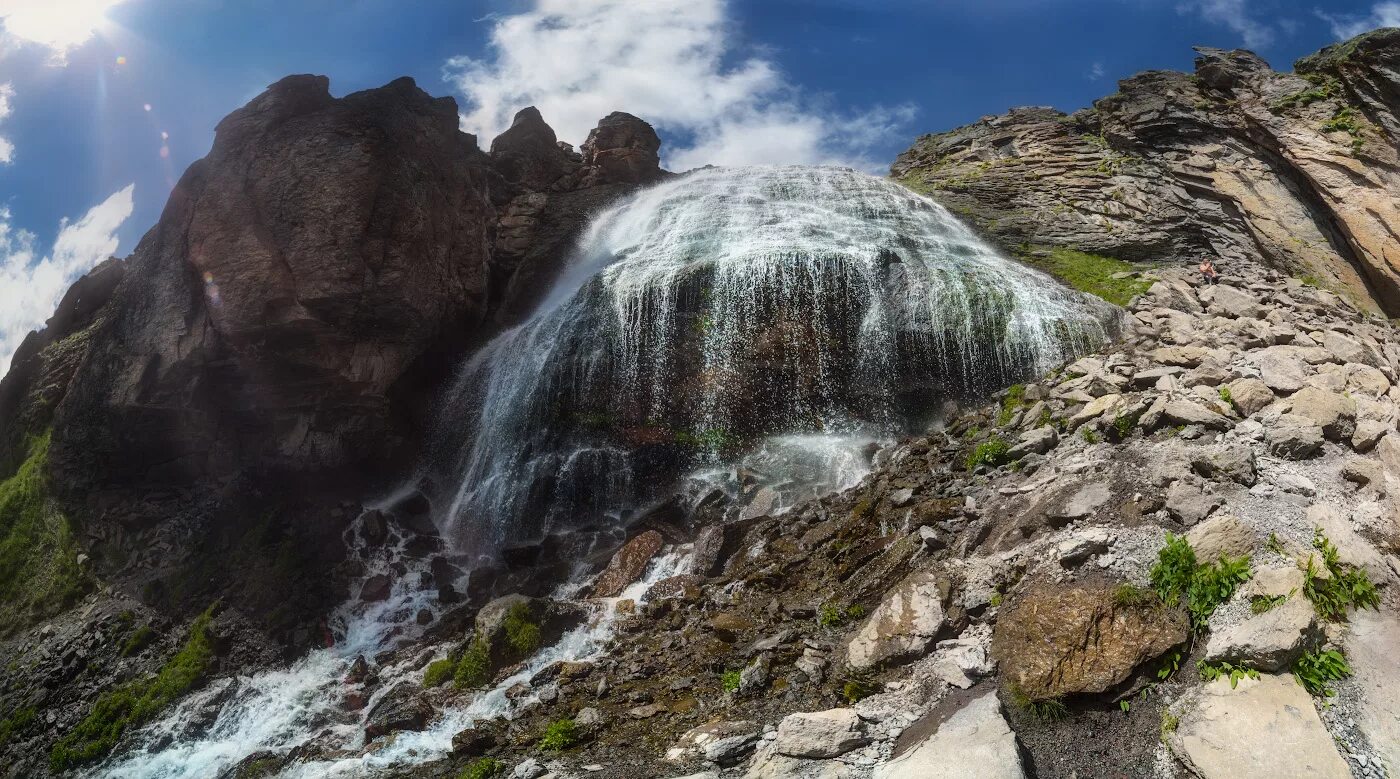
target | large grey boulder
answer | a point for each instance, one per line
(974, 743)
(1281, 368)
(820, 734)
(1271, 641)
(903, 626)
(1250, 396)
(1189, 504)
(1184, 412)
(1334, 413)
(1294, 437)
(1234, 302)
(1231, 461)
(1221, 535)
(1260, 729)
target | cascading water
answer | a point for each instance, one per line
(709, 313)
(773, 320)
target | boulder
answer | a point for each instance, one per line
(1294, 437)
(1271, 641)
(1347, 349)
(1352, 548)
(1082, 503)
(1265, 728)
(1334, 413)
(1250, 396)
(1231, 461)
(974, 743)
(628, 564)
(1066, 639)
(1180, 356)
(1082, 545)
(962, 662)
(1094, 409)
(1280, 369)
(1189, 504)
(1184, 412)
(401, 708)
(1368, 433)
(904, 625)
(820, 734)
(719, 738)
(1037, 441)
(376, 588)
(1222, 534)
(1235, 303)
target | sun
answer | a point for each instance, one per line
(60, 25)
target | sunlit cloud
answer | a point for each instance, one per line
(1235, 15)
(1096, 72)
(7, 149)
(670, 62)
(1345, 26)
(59, 25)
(31, 287)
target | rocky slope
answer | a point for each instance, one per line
(1296, 171)
(275, 345)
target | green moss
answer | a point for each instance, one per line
(560, 735)
(139, 640)
(39, 573)
(439, 672)
(832, 616)
(485, 768)
(16, 722)
(1323, 88)
(136, 703)
(859, 685)
(522, 634)
(729, 681)
(1091, 273)
(1133, 596)
(1015, 399)
(474, 667)
(992, 452)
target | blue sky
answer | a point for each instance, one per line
(103, 103)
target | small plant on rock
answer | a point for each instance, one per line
(474, 666)
(439, 672)
(992, 453)
(1226, 396)
(1088, 434)
(485, 768)
(1211, 671)
(560, 735)
(1262, 603)
(1317, 670)
(1045, 710)
(522, 634)
(858, 685)
(1133, 596)
(1169, 724)
(832, 616)
(139, 640)
(729, 681)
(1177, 576)
(1346, 586)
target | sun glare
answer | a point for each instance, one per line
(60, 25)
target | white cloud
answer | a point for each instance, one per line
(7, 149)
(1345, 26)
(30, 289)
(1096, 72)
(59, 25)
(669, 62)
(1234, 14)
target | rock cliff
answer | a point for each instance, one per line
(275, 344)
(1297, 171)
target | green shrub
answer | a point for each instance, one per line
(522, 634)
(1317, 670)
(1169, 724)
(1225, 395)
(1177, 576)
(485, 768)
(992, 452)
(729, 681)
(560, 735)
(1087, 433)
(1345, 587)
(136, 703)
(1211, 671)
(439, 672)
(138, 641)
(474, 667)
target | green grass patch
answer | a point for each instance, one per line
(439, 672)
(1015, 399)
(39, 573)
(560, 735)
(485, 768)
(1045, 710)
(522, 634)
(729, 681)
(832, 616)
(1091, 273)
(859, 685)
(474, 667)
(16, 722)
(992, 452)
(138, 641)
(135, 703)
(1133, 596)
(1345, 587)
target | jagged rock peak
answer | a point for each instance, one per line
(624, 148)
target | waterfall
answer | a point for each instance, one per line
(701, 317)
(726, 322)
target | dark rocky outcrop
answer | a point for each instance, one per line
(1296, 171)
(275, 344)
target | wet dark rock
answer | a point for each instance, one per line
(376, 588)
(627, 565)
(401, 708)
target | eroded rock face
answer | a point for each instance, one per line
(1231, 163)
(276, 341)
(903, 626)
(1063, 640)
(628, 564)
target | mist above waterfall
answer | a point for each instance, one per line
(704, 315)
